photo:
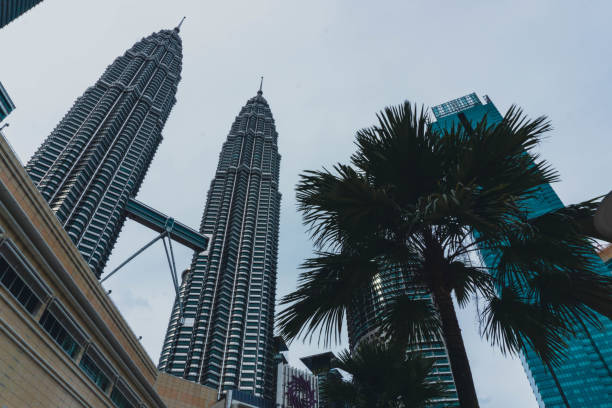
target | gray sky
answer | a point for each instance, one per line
(329, 66)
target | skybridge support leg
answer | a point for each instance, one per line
(163, 234)
(151, 218)
(172, 265)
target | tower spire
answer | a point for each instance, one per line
(260, 86)
(178, 27)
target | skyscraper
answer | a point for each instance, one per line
(226, 340)
(6, 104)
(584, 379)
(98, 155)
(11, 9)
(364, 316)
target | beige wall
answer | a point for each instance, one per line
(34, 371)
(179, 393)
(14, 178)
(606, 253)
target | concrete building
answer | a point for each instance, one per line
(63, 342)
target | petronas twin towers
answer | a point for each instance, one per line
(95, 160)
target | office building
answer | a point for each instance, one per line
(226, 338)
(11, 9)
(96, 158)
(584, 379)
(363, 319)
(296, 388)
(322, 367)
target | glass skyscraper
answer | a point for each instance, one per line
(365, 314)
(226, 339)
(584, 379)
(97, 156)
(11, 9)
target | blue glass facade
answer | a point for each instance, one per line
(584, 379)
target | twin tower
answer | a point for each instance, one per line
(93, 164)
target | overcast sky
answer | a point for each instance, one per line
(329, 66)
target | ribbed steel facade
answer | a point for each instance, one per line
(226, 341)
(98, 155)
(11, 9)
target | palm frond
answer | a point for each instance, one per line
(468, 281)
(408, 320)
(340, 205)
(511, 323)
(384, 375)
(338, 393)
(399, 153)
(325, 290)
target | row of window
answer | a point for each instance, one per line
(21, 281)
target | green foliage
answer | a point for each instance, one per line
(407, 320)
(382, 376)
(423, 202)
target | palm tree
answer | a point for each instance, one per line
(383, 375)
(423, 202)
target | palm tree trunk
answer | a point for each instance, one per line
(459, 363)
(460, 366)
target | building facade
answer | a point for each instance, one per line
(363, 319)
(584, 379)
(296, 388)
(11, 9)
(97, 156)
(62, 340)
(6, 104)
(226, 341)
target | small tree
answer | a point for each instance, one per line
(383, 375)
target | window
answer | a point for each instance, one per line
(18, 287)
(60, 326)
(20, 279)
(94, 372)
(59, 334)
(123, 397)
(120, 400)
